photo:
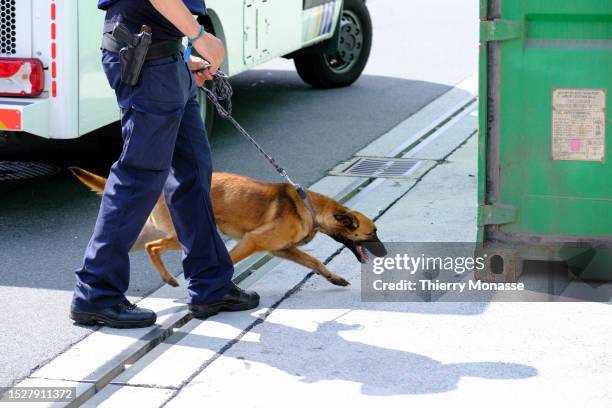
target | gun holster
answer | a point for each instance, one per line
(133, 55)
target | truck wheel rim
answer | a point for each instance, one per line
(350, 44)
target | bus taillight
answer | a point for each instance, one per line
(21, 77)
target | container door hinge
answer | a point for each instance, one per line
(499, 30)
(497, 214)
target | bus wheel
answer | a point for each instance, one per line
(341, 67)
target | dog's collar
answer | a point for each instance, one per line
(313, 213)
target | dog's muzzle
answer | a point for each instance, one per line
(377, 248)
(361, 248)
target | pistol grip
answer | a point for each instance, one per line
(122, 34)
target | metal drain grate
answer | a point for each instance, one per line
(380, 167)
(17, 170)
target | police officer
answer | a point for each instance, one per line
(165, 148)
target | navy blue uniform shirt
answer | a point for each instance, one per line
(135, 13)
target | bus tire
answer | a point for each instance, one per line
(322, 69)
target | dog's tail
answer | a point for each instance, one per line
(93, 181)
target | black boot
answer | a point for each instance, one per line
(124, 315)
(235, 300)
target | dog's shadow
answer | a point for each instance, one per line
(326, 355)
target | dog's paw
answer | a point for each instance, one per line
(172, 282)
(339, 281)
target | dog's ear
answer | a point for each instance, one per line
(348, 220)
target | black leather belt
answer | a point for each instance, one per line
(159, 49)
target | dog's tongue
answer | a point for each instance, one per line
(363, 254)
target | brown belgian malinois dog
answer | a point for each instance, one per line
(268, 217)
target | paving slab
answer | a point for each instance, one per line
(129, 397)
(83, 392)
(444, 208)
(436, 146)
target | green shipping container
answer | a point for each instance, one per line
(545, 161)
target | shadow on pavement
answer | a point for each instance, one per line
(325, 355)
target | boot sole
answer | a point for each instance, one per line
(215, 308)
(95, 319)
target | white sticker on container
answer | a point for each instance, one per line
(579, 124)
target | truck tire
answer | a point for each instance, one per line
(319, 67)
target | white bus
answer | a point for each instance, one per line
(51, 79)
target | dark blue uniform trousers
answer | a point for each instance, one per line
(165, 147)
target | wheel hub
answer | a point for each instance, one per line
(350, 44)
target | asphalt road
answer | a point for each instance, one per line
(420, 48)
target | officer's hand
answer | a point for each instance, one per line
(200, 70)
(211, 49)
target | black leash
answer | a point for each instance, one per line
(220, 91)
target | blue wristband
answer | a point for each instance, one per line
(191, 40)
(197, 37)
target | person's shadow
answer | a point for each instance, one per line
(325, 355)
